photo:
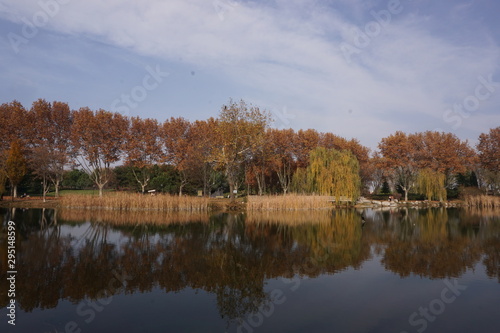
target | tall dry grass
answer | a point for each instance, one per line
(133, 201)
(289, 202)
(482, 201)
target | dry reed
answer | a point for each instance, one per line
(482, 201)
(290, 202)
(132, 201)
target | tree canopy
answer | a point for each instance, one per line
(237, 151)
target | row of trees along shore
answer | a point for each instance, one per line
(239, 148)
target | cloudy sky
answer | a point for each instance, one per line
(359, 69)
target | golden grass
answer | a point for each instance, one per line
(290, 202)
(482, 201)
(133, 201)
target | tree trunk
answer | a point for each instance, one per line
(100, 189)
(231, 189)
(56, 185)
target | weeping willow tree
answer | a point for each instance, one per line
(330, 172)
(432, 184)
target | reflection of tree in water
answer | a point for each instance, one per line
(433, 243)
(232, 256)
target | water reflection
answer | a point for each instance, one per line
(72, 255)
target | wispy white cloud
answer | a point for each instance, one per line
(289, 53)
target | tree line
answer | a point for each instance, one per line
(237, 151)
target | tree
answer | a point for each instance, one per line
(60, 143)
(15, 166)
(40, 164)
(305, 142)
(431, 183)
(143, 149)
(443, 153)
(334, 172)
(258, 167)
(14, 125)
(98, 139)
(3, 179)
(240, 130)
(49, 143)
(398, 155)
(203, 137)
(282, 159)
(180, 152)
(489, 158)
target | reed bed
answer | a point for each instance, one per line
(289, 202)
(132, 201)
(134, 217)
(482, 201)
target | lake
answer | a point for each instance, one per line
(406, 270)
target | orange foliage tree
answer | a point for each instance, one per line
(98, 139)
(143, 149)
(489, 158)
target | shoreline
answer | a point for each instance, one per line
(227, 205)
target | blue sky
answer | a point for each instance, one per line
(359, 69)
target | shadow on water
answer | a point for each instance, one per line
(72, 255)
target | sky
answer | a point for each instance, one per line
(358, 69)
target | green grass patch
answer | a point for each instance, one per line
(79, 192)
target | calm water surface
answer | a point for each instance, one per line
(433, 270)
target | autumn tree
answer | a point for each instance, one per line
(49, 144)
(14, 124)
(143, 149)
(240, 130)
(306, 141)
(258, 167)
(282, 158)
(15, 166)
(177, 138)
(98, 139)
(13, 127)
(398, 156)
(3, 179)
(489, 158)
(444, 153)
(440, 157)
(333, 172)
(431, 183)
(203, 141)
(60, 143)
